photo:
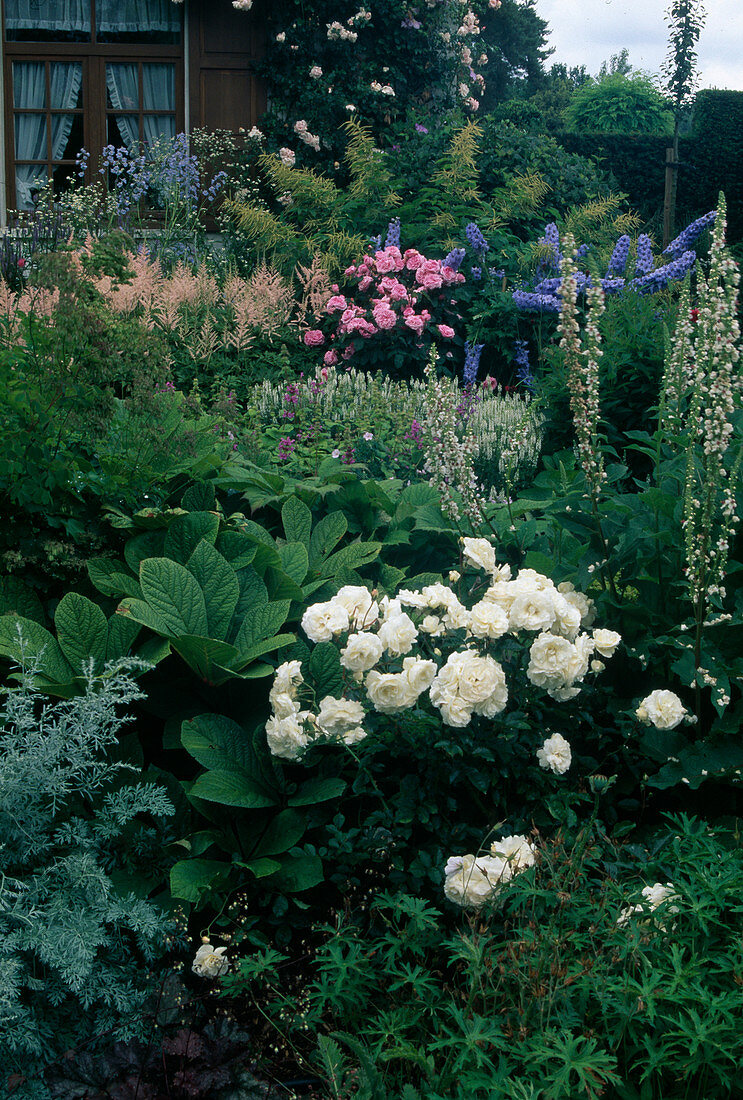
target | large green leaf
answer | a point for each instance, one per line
(284, 831)
(327, 534)
(141, 612)
(38, 647)
(297, 520)
(325, 669)
(231, 788)
(217, 742)
(298, 873)
(147, 545)
(186, 532)
(82, 631)
(317, 790)
(175, 595)
(351, 557)
(190, 878)
(211, 660)
(253, 594)
(18, 599)
(199, 497)
(281, 586)
(122, 634)
(218, 581)
(112, 578)
(294, 560)
(263, 623)
(258, 649)
(236, 548)
(260, 867)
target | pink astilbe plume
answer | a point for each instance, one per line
(269, 302)
(316, 291)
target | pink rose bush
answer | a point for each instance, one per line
(401, 304)
(437, 650)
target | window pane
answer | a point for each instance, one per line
(29, 84)
(157, 127)
(158, 87)
(30, 137)
(122, 130)
(138, 21)
(66, 85)
(67, 136)
(29, 179)
(47, 20)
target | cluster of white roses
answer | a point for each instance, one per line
(377, 638)
(383, 89)
(653, 896)
(304, 134)
(471, 880)
(662, 709)
(338, 33)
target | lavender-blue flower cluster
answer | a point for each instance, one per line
(454, 258)
(523, 368)
(644, 262)
(475, 238)
(618, 261)
(472, 353)
(688, 236)
(393, 234)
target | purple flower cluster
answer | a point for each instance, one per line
(392, 240)
(476, 273)
(475, 238)
(472, 353)
(688, 236)
(662, 276)
(535, 302)
(552, 238)
(454, 258)
(644, 263)
(523, 368)
(618, 261)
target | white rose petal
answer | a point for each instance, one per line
(361, 652)
(480, 553)
(663, 709)
(555, 754)
(606, 641)
(322, 621)
(337, 717)
(390, 692)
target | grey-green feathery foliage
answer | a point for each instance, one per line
(77, 956)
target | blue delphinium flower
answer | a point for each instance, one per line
(476, 273)
(618, 260)
(497, 272)
(393, 234)
(375, 243)
(662, 276)
(687, 236)
(552, 238)
(475, 238)
(523, 369)
(538, 303)
(645, 262)
(472, 353)
(454, 258)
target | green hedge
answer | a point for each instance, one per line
(711, 160)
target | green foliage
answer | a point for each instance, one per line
(619, 104)
(80, 939)
(551, 993)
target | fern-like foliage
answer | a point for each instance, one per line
(370, 178)
(456, 179)
(260, 229)
(76, 950)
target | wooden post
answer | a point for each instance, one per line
(669, 199)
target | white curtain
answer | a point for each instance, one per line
(29, 91)
(158, 94)
(48, 15)
(137, 16)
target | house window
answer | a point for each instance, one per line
(86, 73)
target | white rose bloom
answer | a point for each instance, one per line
(457, 616)
(530, 579)
(388, 608)
(362, 609)
(390, 692)
(583, 603)
(496, 702)
(431, 624)
(283, 704)
(397, 634)
(516, 851)
(352, 737)
(555, 754)
(606, 641)
(454, 710)
(337, 716)
(567, 617)
(468, 674)
(480, 553)
(322, 621)
(210, 961)
(283, 695)
(286, 737)
(488, 620)
(656, 894)
(502, 573)
(581, 657)
(471, 880)
(532, 610)
(419, 674)
(550, 661)
(361, 652)
(502, 593)
(438, 595)
(663, 709)
(412, 599)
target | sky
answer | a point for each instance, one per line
(590, 31)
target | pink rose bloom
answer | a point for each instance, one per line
(335, 303)
(449, 275)
(349, 271)
(428, 279)
(365, 283)
(330, 358)
(416, 323)
(398, 292)
(446, 331)
(313, 338)
(459, 277)
(384, 261)
(368, 329)
(385, 318)
(348, 352)
(413, 259)
(425, 315)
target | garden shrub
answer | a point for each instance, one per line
(81, 855)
